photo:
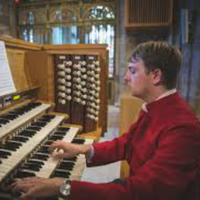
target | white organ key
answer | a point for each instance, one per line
(80, 164)
(8, 164)
(51, 163)
(12, 125)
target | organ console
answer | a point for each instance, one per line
(60, 95)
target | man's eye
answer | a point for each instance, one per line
(131, 70)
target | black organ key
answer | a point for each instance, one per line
(34, 128)
(40, 156)
(23, 174)
(55, 137)
(44, 151)
(9, 117)
(11, 145)
(78, 141)
(40, 163)
(3, 121)
(20, 139)
(31, 166)
(4, 154)
(73, 159)
(66, 166)
(48, 116)
(48, 142)
(60, 173)
(61, 133)
(14, 113)
(39, 124)
(63, 129)
(28, 133)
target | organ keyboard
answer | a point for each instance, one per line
(20, 115)
(25, 135)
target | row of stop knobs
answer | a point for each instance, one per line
(80, 83)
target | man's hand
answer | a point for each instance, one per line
(69, 149)
(32, 188)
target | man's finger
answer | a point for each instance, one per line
(56, 145)
(30, 195)
(60, 155)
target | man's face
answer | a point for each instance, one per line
(138, 79)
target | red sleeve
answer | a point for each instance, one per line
(167, 175)
(110, 151)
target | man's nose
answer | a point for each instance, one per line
(127, 76)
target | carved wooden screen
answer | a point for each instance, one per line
(69, 22)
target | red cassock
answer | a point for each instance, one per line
(163, 151)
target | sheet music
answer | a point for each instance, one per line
(6, 81)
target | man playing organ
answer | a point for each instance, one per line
(162, 147)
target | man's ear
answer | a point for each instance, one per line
(157, 77)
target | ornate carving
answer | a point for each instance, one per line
(63, 14)
(32, 16)
(99, 12)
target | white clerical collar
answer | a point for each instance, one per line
(165, 94)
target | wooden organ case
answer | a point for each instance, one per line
(74, 77)
(61, 95)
